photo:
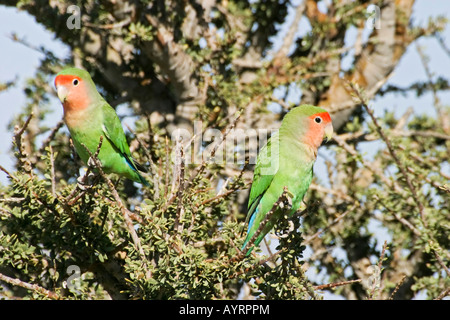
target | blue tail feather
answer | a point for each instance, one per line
(250, 224)
(132, 165)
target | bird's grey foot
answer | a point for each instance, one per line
(92, 163)
(86, 182)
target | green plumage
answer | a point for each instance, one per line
(115, 154)
(100, 119)
(285, 161)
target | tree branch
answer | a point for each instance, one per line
(29, 286)
(123, 209)
(289, 37)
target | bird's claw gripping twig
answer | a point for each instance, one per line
(87, 181)
(92, 163)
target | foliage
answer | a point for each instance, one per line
(207, 71)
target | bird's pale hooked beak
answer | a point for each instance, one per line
(62, 92)
(328, 131)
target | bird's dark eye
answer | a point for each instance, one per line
(75, 82)
(318, 119)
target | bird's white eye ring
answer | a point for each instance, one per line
(75, 82)
(318, 119)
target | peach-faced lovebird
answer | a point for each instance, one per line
(286, 160)
(88, 116)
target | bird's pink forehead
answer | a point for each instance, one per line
(64, 79)
(324, 115)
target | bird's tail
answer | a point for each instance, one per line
(143, 180)
(136, 167)
(250, 219)
(248, 250)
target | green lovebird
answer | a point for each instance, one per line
(88, 116)
(286, 160)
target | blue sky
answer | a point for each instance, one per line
(18, 61)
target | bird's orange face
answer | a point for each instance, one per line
(72, 92)
(320, 127)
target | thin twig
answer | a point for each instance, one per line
(379, 266)
(234, 185)
(399, 164)
(232, 188)
(109, 26)
(220, 196)
(400, 219)
(19, 132)
(153, 168)
(338, 193)
(383, 252)
(375, 286)
(83, 181)
(29, 286)
(206, 161)
(181, 182)
(428, 180)
(442, 43)
(52, 171)
(13, 199)
(14, 37)
(441, 262)
(260, 263)
(23, 159)
(374, 169)
(335, 221)
(166, 178)
(443, 294)
(402, 169)
(73, 197)
(397, 287)
(179, 168)
(123, 209)
(361, 136)
(8, 173)
(442, 118)
(51, 136)
(335, 284)
(283, 198)
(288, 39)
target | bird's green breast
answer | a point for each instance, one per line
(89, 137)
(86, 129)
(88, 133)
(295, 173)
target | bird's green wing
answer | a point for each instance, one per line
(112, 128)
(265, 169)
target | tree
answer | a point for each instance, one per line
(200, 76)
